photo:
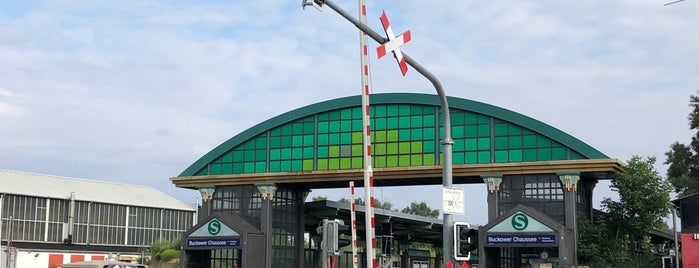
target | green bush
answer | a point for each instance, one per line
(169, 254)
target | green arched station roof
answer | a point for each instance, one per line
(326, 138)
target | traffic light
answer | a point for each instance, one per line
(465, 241)
(332, 231)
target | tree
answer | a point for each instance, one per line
(683, 159)
(377, 203)
(644, 199)
(421, 209)
(319, 198)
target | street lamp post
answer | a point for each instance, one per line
(447, 141)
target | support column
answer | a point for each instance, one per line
(267, 191)
(569, 181)
(493, 182)
(207, 194)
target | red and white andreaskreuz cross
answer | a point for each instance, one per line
(393, 44)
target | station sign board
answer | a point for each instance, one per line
(213, 243)
(520, 239)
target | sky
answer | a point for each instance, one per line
(135, 91)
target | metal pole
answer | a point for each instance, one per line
(447, 142)
(674, 233)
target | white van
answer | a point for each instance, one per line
(102, 264)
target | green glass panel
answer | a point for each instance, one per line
(575, 155)
(334, 126)
(459, 145)
(286, 130)
(544, 141)
(404, 135)
(457, 118)
(275, 154)
(357, 150)
(428, 133)
(357, 137)
(379, 136)
(529, 141)
(428, 159)
(238, 168)
(334, 151)
(392, 110)
(416, 109)
(296, 165)
(357, 162)
(404, 148)
(357, 112)
(515, 130)
(260, 167)
(346, 138)
(345, 163)
(458, 158)
(416, 160)
(274, 166)
(526, 131)
(323, 117)
(392, 122)
(346, 126)
(322, 164)
(379, 161)
(260, 155)
(276, 132)
(558, 153)
(249, 155)
(308, 128)
(226, 169)
(214, 169)
(238, 156)
(286, 165)
(335, 115)
(544, 154)
(379, 149)
(260, 143)
(392, 135)
(308, 164)
(249, 145)
(323, 139)
(416, 147)
(404, 160)
(249, 167)
(357, 125)
(515, 142)
(379, 110)
(471, 119)
(297, 141)
(458, 132)
(501, 143)
(323, 152)
(501, 156)
(470, 131)
(334, 163)
(228, 157)
(500, 129)
(404, 110)
(286, 141)
(416, 121)
(471, 158)
(275, 142)
(516, 156)
(529, 155)
(428, 146)
(404, 122)
(392, 148)
(428, 120)
(296, 129)
(483, 157)
(296, 153)
(483, 130)
(346, 114)
(308, 152)
(483, 144)
(482, 119)
(471, 144)
(380, 123)
(334, 138)
(392, 161)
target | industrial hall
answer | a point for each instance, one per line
(255, 183)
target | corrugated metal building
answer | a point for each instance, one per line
(50, 220)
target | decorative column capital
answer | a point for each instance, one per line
(206, 191)
(493, 181)
(569, 180)
(267, 190)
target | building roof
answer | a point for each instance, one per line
(51, 186)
